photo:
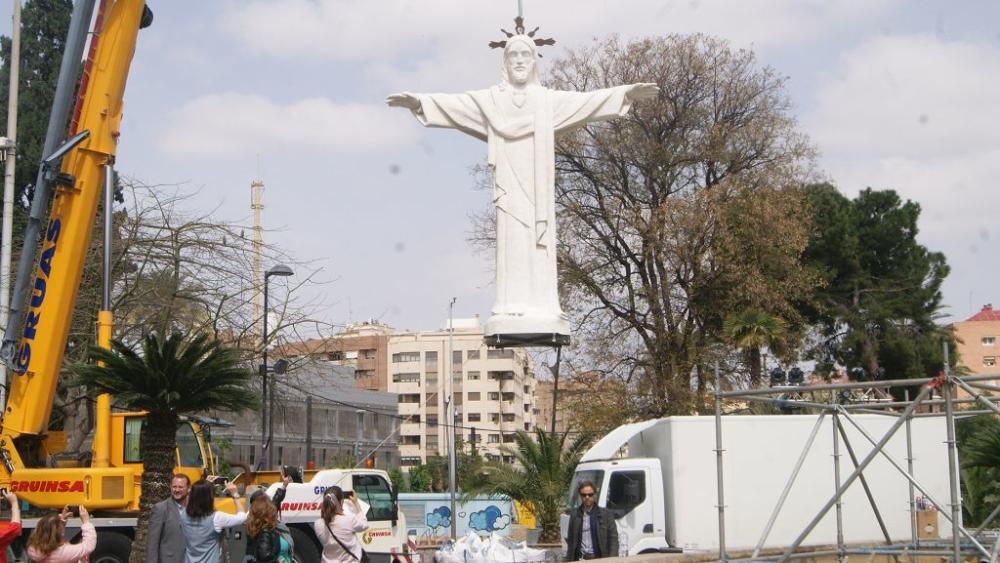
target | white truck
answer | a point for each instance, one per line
(658, 477)
(385, 539)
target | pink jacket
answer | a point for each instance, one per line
(70, 552)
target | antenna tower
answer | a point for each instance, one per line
(257, 205)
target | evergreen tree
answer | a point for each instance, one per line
(44, 24)
(883, 288)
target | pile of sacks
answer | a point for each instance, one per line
(492, 549)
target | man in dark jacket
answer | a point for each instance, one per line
(592, 532)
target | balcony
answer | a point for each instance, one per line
(409, 408)
(410, 428)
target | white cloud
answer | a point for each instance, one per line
(918, 114)
(343, 30)
(236, 124)
(912, 96)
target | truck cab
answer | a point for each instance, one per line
(385, 539)
(629, 488)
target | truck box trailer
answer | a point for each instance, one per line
(658, 477)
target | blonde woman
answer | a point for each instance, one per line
(48, 544)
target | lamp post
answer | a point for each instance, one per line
(267, 413)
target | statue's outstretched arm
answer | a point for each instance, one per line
(403, 100)
(642, 91)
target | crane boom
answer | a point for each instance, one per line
(57, 274)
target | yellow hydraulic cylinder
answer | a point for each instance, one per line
(102, 416)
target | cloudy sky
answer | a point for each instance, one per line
(895, 94)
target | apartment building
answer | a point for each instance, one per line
(362, 346)
(494, 391)
(977, 342)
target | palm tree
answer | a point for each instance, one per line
(979, 450)
(540, 478)
(172, 376)
(752, 329)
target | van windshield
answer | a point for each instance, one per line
(594, 475)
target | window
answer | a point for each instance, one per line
(508, 438)
(133, 427)
(472, 355)
(493, 395)
(989, 361)
(408, 377)
(527, 390)
(407, 440)
(187, 446)
(409, 398)
(989, 340)
(508, 459)
(500, 375)
(475, 417)
(363, 373)
(474, 395)
(456, 358)
(494, 417)
(374, 490)
(368, 354)
(626, 490)
(473, 375)
(494, 354)
(335, 356)
(405, 357)
(594, 476)
(508, 417)
(409, 461)
(493, 439)
(507, 396)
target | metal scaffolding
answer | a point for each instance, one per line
(873, 397)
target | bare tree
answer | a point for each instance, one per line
(175, 270)
(684, 211)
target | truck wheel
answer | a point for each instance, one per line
(306, 548)
(112, 547)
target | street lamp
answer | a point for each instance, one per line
(267, 413)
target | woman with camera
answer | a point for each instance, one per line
(202, 524)
(48, 544)
(337, 530)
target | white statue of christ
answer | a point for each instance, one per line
(519, 119)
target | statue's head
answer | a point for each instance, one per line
(520, 61)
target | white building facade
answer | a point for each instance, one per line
(494, 391)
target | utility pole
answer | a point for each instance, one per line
(10, 158)
(450, 416)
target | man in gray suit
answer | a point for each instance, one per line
(165, 538)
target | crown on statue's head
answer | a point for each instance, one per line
(519, 30)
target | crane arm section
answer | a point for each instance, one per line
(66, 238)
